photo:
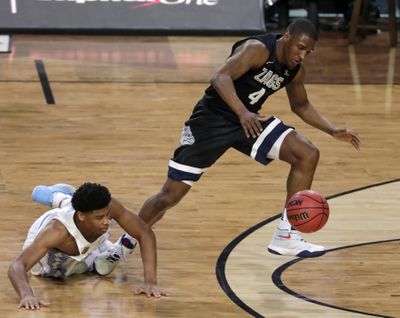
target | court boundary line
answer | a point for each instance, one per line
(223, 257)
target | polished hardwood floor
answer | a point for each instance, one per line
(120, 103)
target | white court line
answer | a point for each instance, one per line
(13, 6)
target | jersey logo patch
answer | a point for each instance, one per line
(187, 136)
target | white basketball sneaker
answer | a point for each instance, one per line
(290, 242)
(127, 244)
(108, 261)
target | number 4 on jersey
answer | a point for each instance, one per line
(255, 97)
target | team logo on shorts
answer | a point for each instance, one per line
(187, 136)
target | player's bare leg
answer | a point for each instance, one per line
(170, 195)
(303, 158)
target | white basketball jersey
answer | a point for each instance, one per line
(66, 217)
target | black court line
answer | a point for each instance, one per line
(220, 268)
(221, 262)
(277, 274)
(45, 82)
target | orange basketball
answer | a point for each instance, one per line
(307, 211)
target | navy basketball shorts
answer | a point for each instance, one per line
(207, 135)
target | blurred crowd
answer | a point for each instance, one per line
(329, 15)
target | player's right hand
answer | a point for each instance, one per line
(251, 123)
(32, 303)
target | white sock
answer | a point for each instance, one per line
(107, 245)
(61, 200)
(284, 225)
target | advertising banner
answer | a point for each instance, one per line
(140, 16)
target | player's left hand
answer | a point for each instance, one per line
(348, 135)
(150, 290)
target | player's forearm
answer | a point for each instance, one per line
(148, 250)
(226, 90)
(19, 279)
(311, 116)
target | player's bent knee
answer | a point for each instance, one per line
(312, 156)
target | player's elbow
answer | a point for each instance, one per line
(13, 269)
(298, 109)
(149, 232)
(214, 79)
(218, 79)
(146, 233)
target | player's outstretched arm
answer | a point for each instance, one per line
(135, 227)
(302, 107)
(17, 272)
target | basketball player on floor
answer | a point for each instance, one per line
(73, 238)
(227, 117)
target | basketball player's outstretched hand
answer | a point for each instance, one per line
(348, 135)
(32, 303)
(150, 290)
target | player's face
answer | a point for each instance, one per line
(297, 48)
(98, 220)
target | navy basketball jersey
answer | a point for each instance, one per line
(254, 87)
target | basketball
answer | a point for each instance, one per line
(307, 211)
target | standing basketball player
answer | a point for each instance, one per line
(227, 117)
(73, 238)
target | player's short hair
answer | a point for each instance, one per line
(90, 196)
(303, 27)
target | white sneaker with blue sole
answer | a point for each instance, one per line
(290, 243)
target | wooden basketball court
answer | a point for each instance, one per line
(119, 106)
